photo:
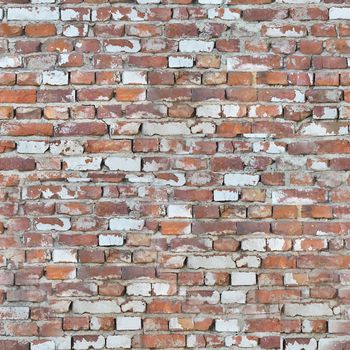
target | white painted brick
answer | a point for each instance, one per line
(209, 111)
(337, 326)
(333, 343)
(311, 309)
(189, 45)
(179, 211)
(233, 296)
(43, 345)
(83, 163)
(123, 163)
(276, 244)
(210, 262)
(72, 31)
(225, 195)
(72, 15)
(227, 326)
(315, 129)
(134, 78)
(134, 306)
(231, 111)
(191, 341)
(10, 61)
(328, 113)
(1, 13)
(133, 46)
(66, 147)
(133, 15)
(88, 343)
(212, 298)
(128, 323)
(174, 324)
(120, 224)
(254, 244)
(95, 307)
(279, 197)
(64, 255)
(256, 135)
(242, 341)
(301, 345)
(14, 312)
(243, 278)
(307, 326)
(63, 343)
(223, 13)
(55, 77)
(171, 128)
(318, 165)
(277, 32)
(129, 128)
(203, 128)
(210, 279)
(141, 289)
(63, 193)
(62, 225)
(180, 62)
(33, 13)
(140, 179)
(290, 280)
(32, 147)
(118, 341)
(339, 13)
(273, 148)
(95, 323)
(161, 288)
(241, 179)
(248, 261)
(63, 58)
(110, 240)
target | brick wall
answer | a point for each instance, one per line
(174, 174)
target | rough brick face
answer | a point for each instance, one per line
(174, 174)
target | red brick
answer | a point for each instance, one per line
(161, 341)
(21, 164)
(40, 30)
(17, 96)
(10, 30)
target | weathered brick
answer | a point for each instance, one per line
(27, 14)
(20, 164)
(158, 169)
(17, 96)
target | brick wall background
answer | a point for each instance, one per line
(174, 174)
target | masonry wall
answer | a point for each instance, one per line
(174, 174)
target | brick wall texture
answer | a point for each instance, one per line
(174, 174)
